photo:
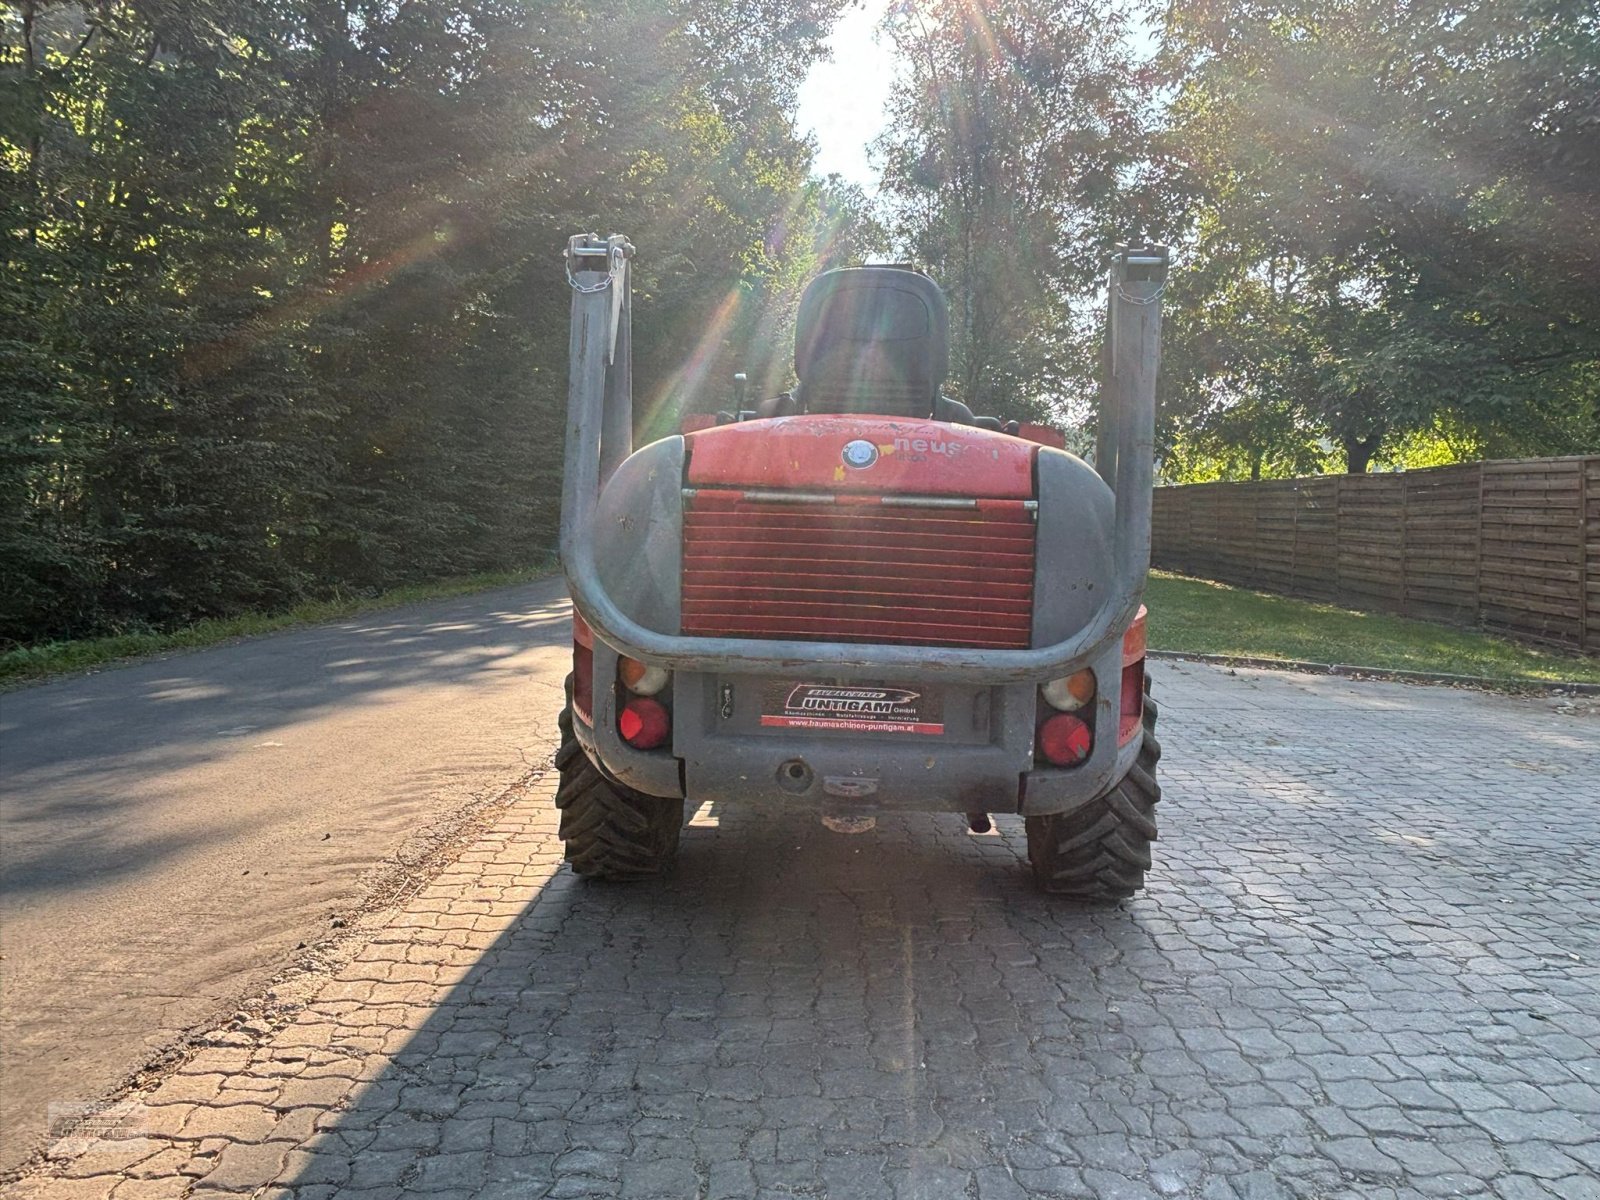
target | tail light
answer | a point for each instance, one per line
(1071, 692)
(640, 679)
(1064, 740)
(644, 723)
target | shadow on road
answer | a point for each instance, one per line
(789, 1009)
(71, 746)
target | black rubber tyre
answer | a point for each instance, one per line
(1102, 850)
(611, 832)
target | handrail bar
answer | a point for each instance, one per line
(1131, 403)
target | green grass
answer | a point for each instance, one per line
(1190, 616)
(61, 658)
(1196, 616)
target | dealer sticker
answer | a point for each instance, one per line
(854, 709)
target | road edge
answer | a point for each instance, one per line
(1384, 674)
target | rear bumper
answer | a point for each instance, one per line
(983, 762)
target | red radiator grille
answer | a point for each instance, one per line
(858, 572)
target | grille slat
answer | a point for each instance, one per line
(1011, 598)
(736, 572)
(945, 545)
(888, 633)
(858, 572)
(803, 518)
(851, 560)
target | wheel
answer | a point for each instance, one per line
(611, 832)
(1102, 850)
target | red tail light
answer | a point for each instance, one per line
(1064, 740)
(644, 723)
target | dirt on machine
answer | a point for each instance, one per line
(859, 597)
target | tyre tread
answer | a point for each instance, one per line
(610, 832)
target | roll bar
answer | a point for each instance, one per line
(599, 436)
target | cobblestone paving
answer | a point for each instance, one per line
(1366, 966)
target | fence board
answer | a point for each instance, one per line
(1512, 546)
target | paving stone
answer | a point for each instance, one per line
(1355, 973)
(729, 1180)
(309, 1168)
(244, 1168)
(995, 1183)
(574, 1187)
(1260, 1185)
(664, 1177)
(1049, 1181)
(1109, 1185)
(1360, 1156)
(600, 1164)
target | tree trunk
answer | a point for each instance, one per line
(1358, 452)
(30, 71)
(329, 29)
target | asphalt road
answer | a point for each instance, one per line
(171, 831)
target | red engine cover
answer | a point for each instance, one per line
(806, 453)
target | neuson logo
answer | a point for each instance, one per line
(860, 453)
(950, 449)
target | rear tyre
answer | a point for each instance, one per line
(1102, 850)
(611, 832)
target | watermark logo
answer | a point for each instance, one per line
(78, 1127)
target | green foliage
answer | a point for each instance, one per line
(282, 311)
(1015, 133)
(1386, 217)
(1393, 230)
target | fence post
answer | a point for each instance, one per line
(1583, 555)
(1405, 539)
(1477, 566)
(1294, 543)
(1338, 539)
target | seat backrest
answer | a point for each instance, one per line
(872, 340)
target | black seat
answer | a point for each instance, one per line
(872, 340)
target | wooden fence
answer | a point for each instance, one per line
(1513, 546)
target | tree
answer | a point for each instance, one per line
(1410, 194)
(282, 311)
(1015, 133)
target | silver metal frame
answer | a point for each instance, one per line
(598, 437)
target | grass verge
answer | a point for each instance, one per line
(61, 658)
(1196, 616)
(1187, 616)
